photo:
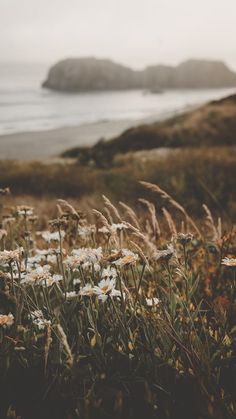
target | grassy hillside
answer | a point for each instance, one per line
(123, 312)
(194, 175)
(213, 125)
(194, 155)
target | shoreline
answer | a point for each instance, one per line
(45, 145)
(49, 144)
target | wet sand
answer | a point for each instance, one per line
(47, 144)
(43, 145)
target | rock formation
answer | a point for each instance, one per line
(92, 74)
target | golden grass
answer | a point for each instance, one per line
(211, 125)
(116, 313)
(196, 176)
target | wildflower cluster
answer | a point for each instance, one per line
(113, 292)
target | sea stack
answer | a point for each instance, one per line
(93, 74)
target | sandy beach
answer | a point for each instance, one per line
(40, 145)
(48, 144)
(45, 145)
(36, 126)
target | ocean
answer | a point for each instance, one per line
(25, 106)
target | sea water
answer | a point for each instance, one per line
(25, 106)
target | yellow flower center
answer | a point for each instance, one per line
(105, 288)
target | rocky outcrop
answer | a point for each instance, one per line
(83, 74)
(91, 74)
(190, 74)
(204, 74)
(161, 76)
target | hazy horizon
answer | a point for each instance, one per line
(133, 33)
(46, 65)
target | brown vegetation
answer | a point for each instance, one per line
(212, 125)
(124, 317)
(194, 175)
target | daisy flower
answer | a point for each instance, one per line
(55, 236)
(87, 290)
(104, 230)
(71, 294)
(6, 320)
(152, 301)
(105, 288)
(164, 254)
(127, 258)
(229, 262)
(109, 272)
(184, 238)
(40, 276)
(84, 257)
(118, 227)
(38, 319)
(8, 256)
(24, 210)
(86, 231)
(76, 281)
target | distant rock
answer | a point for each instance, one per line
(92, 74)
(204, 74)
(83, 74)
(162, 76)
(190, 74)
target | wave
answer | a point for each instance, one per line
(33, 109)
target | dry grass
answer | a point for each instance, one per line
(194, 176)
(114, 313)
(211, 125)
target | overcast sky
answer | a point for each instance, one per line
(132, 32)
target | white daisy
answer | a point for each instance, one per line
(24, 210)
(128, 258)
(104, 230)
(55, 236)
(39, 276)
(38, 319)
(86, 231)
(76, 281)
(105, 288)
(118, 227)
(84, 257)
(109, 272)
(8, 256)
(87, 290)
(6, 320)
(229, 262)
(165, 254)
(152, 301)
(71, 294)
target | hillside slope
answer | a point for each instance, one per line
(213, 124)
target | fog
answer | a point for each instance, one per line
(132, 32)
